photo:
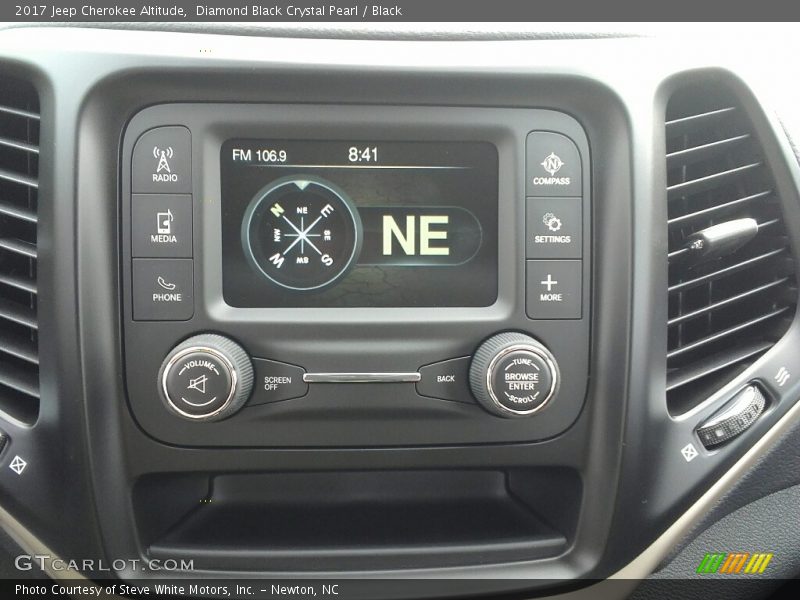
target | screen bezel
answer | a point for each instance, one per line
(445, 288)
(505, 129)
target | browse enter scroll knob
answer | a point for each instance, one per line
(513, 375)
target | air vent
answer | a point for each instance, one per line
(731, 277)
(19, 169)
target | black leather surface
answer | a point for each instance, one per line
(9, 550)
(777, 469)
(769, 524)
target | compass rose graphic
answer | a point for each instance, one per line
(302, 233)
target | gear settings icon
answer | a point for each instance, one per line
(553, 222)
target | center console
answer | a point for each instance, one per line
(365, 276)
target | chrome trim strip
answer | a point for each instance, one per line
(361, 377)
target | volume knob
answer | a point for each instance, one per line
(206, 378)
(513, 375)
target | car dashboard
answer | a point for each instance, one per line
(514, 313)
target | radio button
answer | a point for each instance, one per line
(161, 225)
(553, 165)
(553, 228)
(446, 380)
(276, 381)
(162, 162)
(553, 289)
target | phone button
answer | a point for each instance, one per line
(163, 289)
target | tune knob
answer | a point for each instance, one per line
(206, 378)
(513, 375)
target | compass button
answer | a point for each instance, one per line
(553, 165)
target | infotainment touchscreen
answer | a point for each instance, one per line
(359, 223)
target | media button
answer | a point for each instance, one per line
(554, 289)
(446, 380)
(276, 381)
(162, 162)
(163, 289)
(554, 228)
(161, 226)
(553, 165)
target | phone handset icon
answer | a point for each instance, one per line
(166, 284)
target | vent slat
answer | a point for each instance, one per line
(713, 364)
(19, 202)
(732, 284)
(18, 112)
(19, 283)
(720, 273)
(725, 333)
(675, 127)
(16, 313)
(717, 210)
(726, 302)
(18, 178)
(703, 184)
(18, 145)
(19, 347)
(704, 151)
(21, 247)
(23, 214)
(22, 381)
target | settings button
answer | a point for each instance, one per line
(554, 227)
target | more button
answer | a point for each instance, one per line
(554, 289)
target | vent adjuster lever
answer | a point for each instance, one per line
(734, 418)
(718, 240)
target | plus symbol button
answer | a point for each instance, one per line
(549, 282)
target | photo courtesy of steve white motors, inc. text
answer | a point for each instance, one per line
(195, 590)
(291, 11)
